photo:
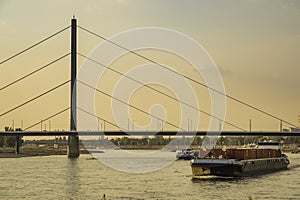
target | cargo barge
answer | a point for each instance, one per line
(237, 162)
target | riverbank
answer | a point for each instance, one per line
(30, 151)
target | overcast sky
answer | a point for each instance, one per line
(255, 45)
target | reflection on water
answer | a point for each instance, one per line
(57, 177)
(217, 178)
(72, 178)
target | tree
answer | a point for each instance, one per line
(10, 141)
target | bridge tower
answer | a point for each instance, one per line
(73, 141)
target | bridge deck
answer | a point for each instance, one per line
(147, 133)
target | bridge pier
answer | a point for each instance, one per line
(73, 141)
(73, 147)
(17, 144)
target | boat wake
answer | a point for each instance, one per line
(294, 167)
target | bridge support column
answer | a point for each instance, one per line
(73, 141)
(73, 147)
(17, 144)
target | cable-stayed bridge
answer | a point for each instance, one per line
(73, 150)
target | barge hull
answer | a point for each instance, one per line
(231, 168)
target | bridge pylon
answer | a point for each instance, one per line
(73, 141)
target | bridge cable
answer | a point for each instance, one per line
(113, 124)
(34, 45)
(33, 72)
(191, 79)
(40, 95)
(134, 107)
(160, 92)
(50, 117)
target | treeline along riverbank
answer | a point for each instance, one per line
(58, 146)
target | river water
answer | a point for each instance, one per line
(57, 177)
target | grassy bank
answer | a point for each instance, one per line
(8, 152)
(25, 151)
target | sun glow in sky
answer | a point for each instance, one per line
(255, 45)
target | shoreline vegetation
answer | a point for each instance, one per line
(58, 145)
(31, 151)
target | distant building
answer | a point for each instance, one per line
(295, 129)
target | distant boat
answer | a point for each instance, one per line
(185, 154)
(296, 151)
(241, 162)
(95, 151)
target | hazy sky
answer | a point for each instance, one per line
(255, 45)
